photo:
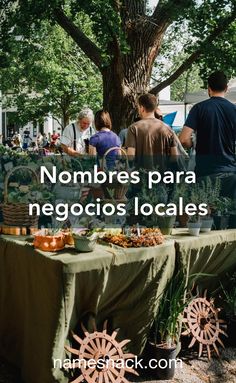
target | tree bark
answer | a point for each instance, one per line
(123, 81)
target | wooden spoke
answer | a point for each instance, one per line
(85, 331)
(93, 345)
(131, 370)
(103, 345)
(97, 340)
(186, 332)
(192, 343)
(89, 348)
(111, 376)
(72, 350)
(114, 334)
(77, 338)
(87, 355)
(124, 342)
(200, 349)
(208, 352)
(216, 349)
(221, 343)
(112, 351)
(94, 324)
(105, 326)
(108, 347)
(223, 332)
(100, 378)
(106, 379)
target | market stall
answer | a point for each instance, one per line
(124, 264)
(43, 296)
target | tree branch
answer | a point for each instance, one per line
(87, 46)
(57, 120)
(165, 13)
(195, 55)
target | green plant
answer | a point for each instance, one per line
(154, 196)
(194, 219)
(89, 228)
(229, 295)
(173, 301)
(222, 206)
(210, 190)
(178, 191)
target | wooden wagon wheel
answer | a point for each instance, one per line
(106, 351)
(202, 322)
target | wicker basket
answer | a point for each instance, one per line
(119, 189)
(17, 214)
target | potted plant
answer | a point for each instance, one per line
(207, 192)
(194, 225)
(153, 196)
(180, 191)
(85, 237)
(206, 224)
(210, 194)
(167, 325)
(220, 215)
(199, 193)
(232, 214)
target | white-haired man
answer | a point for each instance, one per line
(76, 136)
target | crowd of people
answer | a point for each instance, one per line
(210, 130)
(24, 141)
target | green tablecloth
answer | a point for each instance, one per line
(43, 296)
(211, 253)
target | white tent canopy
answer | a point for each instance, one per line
(193, 98)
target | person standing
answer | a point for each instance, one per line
(26, 139)
(149, 140)
(44, 140)
(54, 138)
(104, 139)
(39, 140)
(76, 136)
(214, 123)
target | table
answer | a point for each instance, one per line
(43, 296)
(211, 253)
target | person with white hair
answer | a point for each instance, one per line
(76, 136)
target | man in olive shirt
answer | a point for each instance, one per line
(149, 140)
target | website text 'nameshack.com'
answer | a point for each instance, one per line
(134, 363)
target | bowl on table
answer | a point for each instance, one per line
(84, 244)
(46, 242)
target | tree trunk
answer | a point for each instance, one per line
(123, 81)
(65, 105)
(65, 119)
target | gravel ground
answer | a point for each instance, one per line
(195, 370)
